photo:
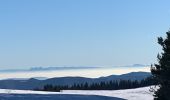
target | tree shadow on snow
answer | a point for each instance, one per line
(54, 97)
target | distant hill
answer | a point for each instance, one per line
(138, 65)
(35, 83)
(33, 69)
(134, 65)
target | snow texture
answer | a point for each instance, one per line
(129, 94)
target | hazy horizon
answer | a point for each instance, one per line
(46, 67)
(89, 73)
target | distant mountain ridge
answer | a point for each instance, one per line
(35, 83)
(58, 68)
(134, 65)
(46, 69)
(64, 68)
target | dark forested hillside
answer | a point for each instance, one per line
(110, 85)
(63, 81)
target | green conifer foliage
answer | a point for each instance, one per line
(161, 71)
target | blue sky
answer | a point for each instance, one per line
(81, 32)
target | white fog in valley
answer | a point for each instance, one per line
(90, 73)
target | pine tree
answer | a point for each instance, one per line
(161, 71)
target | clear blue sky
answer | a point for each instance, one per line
(81, 32)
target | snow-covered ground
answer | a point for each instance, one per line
(129, 94)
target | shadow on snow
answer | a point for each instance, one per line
(54, 97)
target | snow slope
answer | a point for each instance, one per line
(129, 94)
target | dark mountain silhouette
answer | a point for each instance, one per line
(35, 83)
